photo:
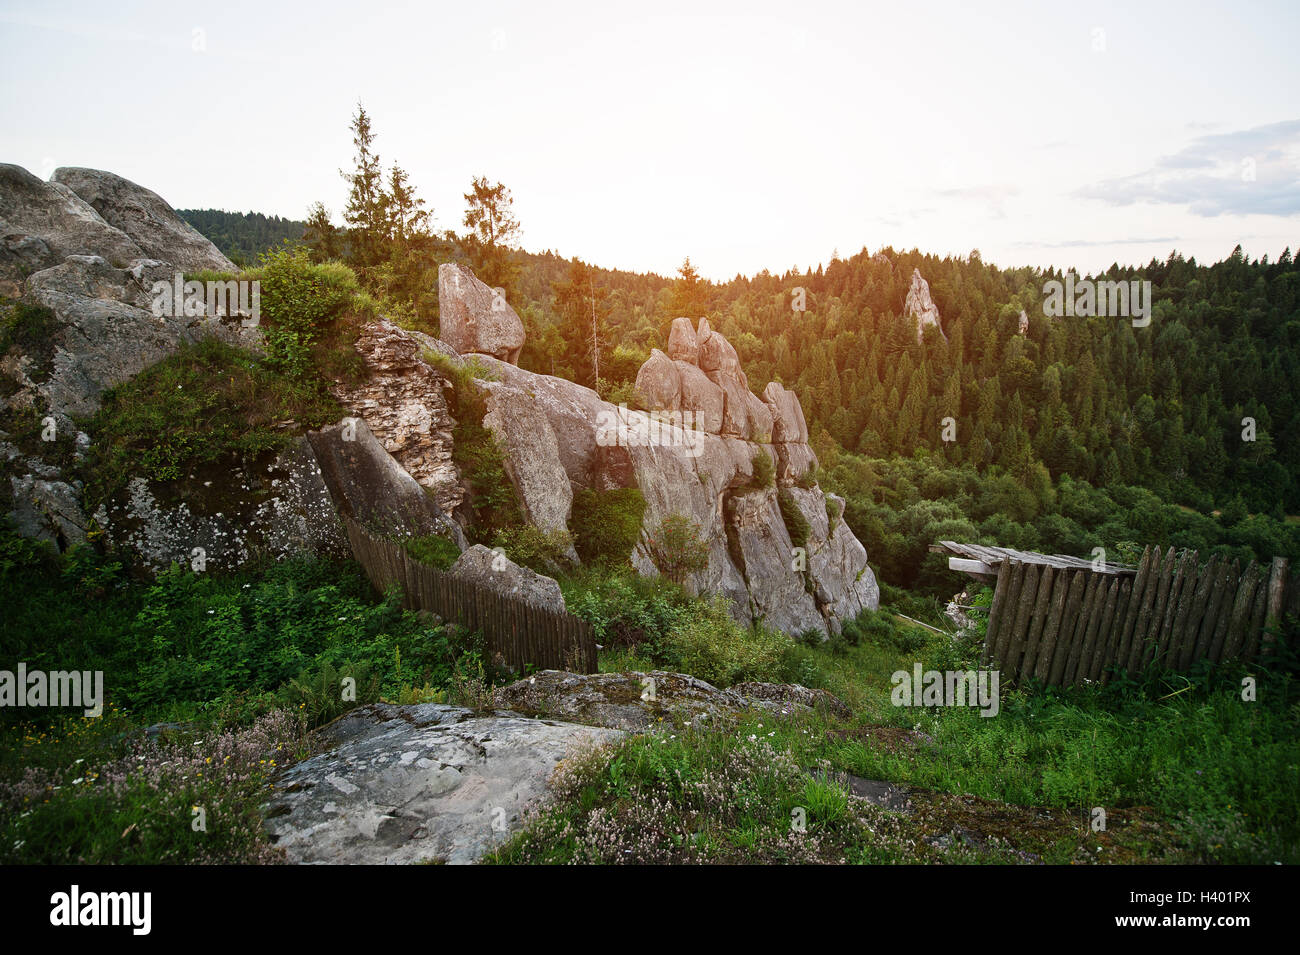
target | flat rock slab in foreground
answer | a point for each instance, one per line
(423, 783)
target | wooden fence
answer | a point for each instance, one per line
(1064, 625)
(519, 631)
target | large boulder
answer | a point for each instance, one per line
(476, 319)
(370, 487)
(717, 356)
(659, 383)
(106, 331)
(765, 556)
(423, 783)
(682, 343)
(144, 216)
(532, 456)
(498, 573)
(844, 585)
(42, 223)
(920, 306)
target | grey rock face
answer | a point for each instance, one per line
(42, 223)
(499, 573)
(762, 551)
(368, 485)
(532, 456)
(409, 784)
(919, 305)
(473, 318)
(145, 217)
(107, 330)
(788, 424)
(48, 510)
(659, 383)
(636, 702)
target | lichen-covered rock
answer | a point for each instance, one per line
(498, 573)
(228, 514)
(636, 702)
(476, 319)
(48, 511)
(145, 217)
(423, 783)
(844, 584)
(920, 306)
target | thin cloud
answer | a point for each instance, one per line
(1248, 172)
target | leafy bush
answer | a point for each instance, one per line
(676, 549)
(764, 470)
(607, 524)
(298, 299)
(433, 549)
(529, 546)
(712, 646)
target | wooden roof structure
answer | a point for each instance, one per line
(980, 560)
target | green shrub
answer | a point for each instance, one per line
(607, 524)
(676, 549)
(433, 549)
(30, 329)
(764, 470)
(529, 546)
(712, 646)
(298, 299)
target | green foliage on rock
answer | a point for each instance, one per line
(607, 524)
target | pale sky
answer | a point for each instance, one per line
(747, 136)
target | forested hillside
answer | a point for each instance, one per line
(242, 236)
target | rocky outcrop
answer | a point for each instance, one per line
(637, 702)
(105, 331)
(403, 401)
(424, 783)
(145, 217)
(1022, 324)
(681, 468)
(919, 305)
(476, 319)
(369, 486)
(42, 223)
(498, 573)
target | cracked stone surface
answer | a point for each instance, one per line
(418, 784)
